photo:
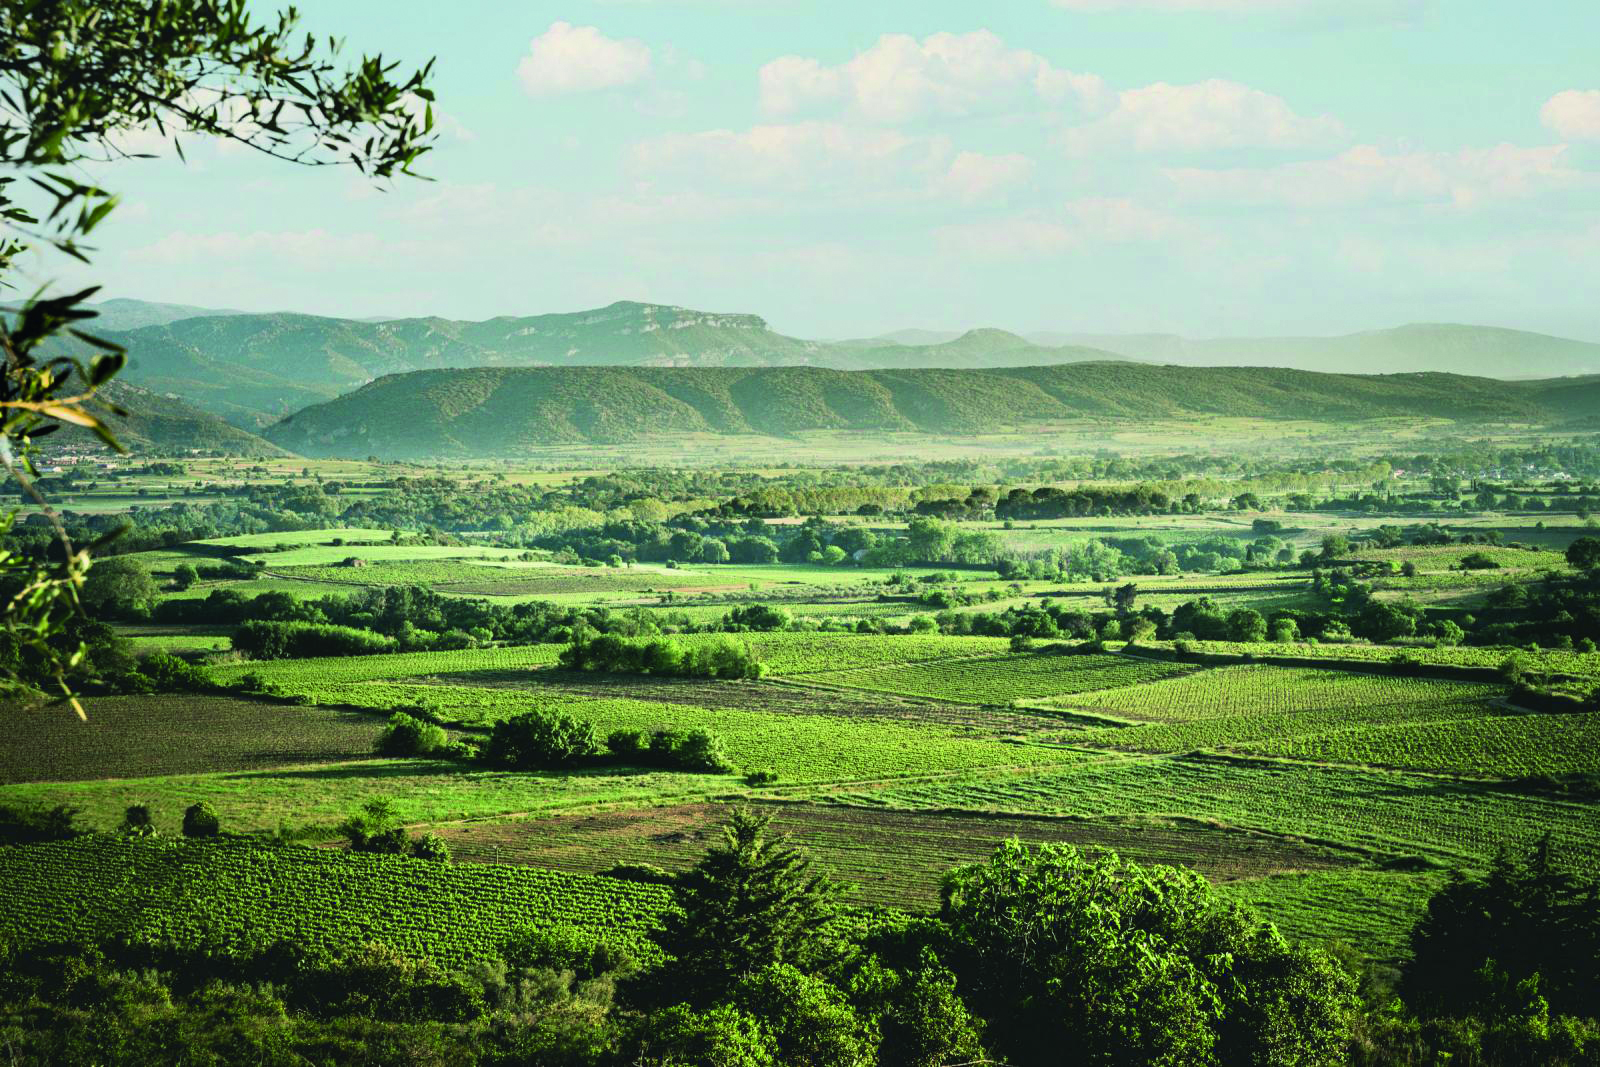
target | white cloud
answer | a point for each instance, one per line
(1573, 114)
(900, 79)
(1204, 116)
(973, 176)
(800, 155)
(579, 59)
(1366, 174)
(316, 248)
(1075, 225)
(1251, 7)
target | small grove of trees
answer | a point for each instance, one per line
(272, 639)
(540, 740)
(551, 739)
(685, 750)
(723, 657)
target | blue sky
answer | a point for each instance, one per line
(1208, 167)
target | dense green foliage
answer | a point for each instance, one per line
(721, 658)
(505, 411)
(1129, 965)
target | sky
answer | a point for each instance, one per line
(1203, 167)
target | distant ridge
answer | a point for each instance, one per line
(124, 314)
(1486, 351)
(510, 411)
(254, 368)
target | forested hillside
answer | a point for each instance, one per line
(165, 424)
(504, 411)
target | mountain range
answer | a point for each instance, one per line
(253, 369)
(502, 411)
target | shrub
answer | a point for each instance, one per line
(169, 674)
(375, 828)
(1132, 964)
(761, 778)
(431, 846)
(540, 740)
(406, 735)
(627, 743)
(200, 820)
(648, 873)
(137, 821)
(701, 750)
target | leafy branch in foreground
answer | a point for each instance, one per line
(94, 82)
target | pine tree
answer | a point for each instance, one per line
(750, 903)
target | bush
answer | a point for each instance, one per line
(701, 750)
(406, 735)
(540, 740)
(137, 821)
(375, 828)
(761, 778)
(627, 743)
(200, 820)
(647, 873)
(431, 846)
(169, 674)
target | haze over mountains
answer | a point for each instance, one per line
(255, 368)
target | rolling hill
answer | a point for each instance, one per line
(507, 411)
(167, 425)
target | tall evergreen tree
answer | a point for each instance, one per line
(750, 903)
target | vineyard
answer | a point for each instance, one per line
(1541, 661)
(1275, 727)
(235, 898)
(1500, 745)
(1264, 690)
(1003, 679)
(810, 748)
